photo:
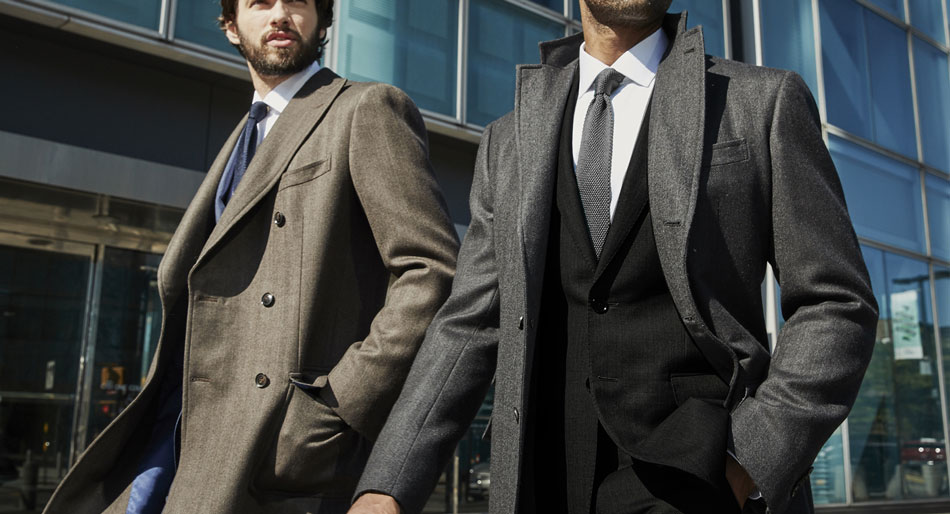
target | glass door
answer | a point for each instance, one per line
(44, 290)
(128, 323)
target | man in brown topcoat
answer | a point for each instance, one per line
(295, 294)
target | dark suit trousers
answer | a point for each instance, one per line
(616, 486)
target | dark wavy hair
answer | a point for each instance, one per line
(324, 17)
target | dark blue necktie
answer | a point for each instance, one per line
(246, 145)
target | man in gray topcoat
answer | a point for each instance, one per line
(622, 219)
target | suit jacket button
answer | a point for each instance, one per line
(261, 381)
(517, 415)
(279, 219)
(268, 300)
(521, 323)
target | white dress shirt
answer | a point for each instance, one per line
(629, 102)
(278, 98)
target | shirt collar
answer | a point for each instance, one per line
(638, 64)
(278, 98)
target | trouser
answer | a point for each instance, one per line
(599, 478)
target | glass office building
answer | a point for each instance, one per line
(114, 110)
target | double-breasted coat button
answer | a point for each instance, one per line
(268, 300)
(517, 415)
(521, 323)
(279, 219)
(261, 381)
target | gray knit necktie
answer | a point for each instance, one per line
(594, 158)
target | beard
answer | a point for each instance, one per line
(276, 62)
(632, 13)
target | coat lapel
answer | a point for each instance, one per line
(293, 126)
(542, 93)
(193, 229)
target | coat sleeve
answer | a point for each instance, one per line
(826, 343)
(452, 371)
(392, 177)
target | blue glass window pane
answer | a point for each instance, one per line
(927, 15)
(892, 104)
(576, 12)
(933, 97)
(500, 37)
(883, 195)
(895, 427)
(895, 7)
(144, 13)
(867, 97)
(938, 214)
(788, 38)
(707, 13)
(844, 60)
(827, 477)
(554, 5)
(413, 47)
(196, 21)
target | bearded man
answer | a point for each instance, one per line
(610, 281)
(295, 293)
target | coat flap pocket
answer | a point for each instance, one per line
(700, 386)
(304, 173)
(308, 382)
(728, 152)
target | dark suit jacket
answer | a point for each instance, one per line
(738, 177)
(358, 263)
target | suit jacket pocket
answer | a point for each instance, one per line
(701, 386)
(304, 173)
(314, 453)
(728, 152)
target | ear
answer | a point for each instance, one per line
(322, 34)
(231, 31)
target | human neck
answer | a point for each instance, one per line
(608, 43)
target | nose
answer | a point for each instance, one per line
(279, 14)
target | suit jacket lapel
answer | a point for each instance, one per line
(193, 229)
(274, 154)
(568, 194)
(541, 95)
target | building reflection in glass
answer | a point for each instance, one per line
(896, 431)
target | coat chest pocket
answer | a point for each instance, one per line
(728, 152)
(305, 173)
